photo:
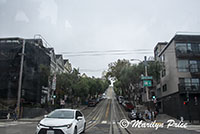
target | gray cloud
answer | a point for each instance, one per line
(82, 25)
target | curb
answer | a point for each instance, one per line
(37, 119)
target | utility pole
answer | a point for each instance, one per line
(20, 79)
(146, 74)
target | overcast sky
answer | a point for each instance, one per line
(99, 25)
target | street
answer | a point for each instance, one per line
(102, 119)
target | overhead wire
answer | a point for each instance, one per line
(107, 52)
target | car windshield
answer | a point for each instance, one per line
(61, 114)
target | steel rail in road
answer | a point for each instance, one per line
(96, 117)
(126, 129)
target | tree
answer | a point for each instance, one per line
(74, 86)
(127, 77)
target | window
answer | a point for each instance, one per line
(78, 114)
(183, 65)
(189, 47)
(164, 88)
(190, 83)
(195, 83)
(163, 57)
(193, 66)
(163, 72)
(187, 82)
(195, 48)
(181, 47)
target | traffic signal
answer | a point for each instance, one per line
(153, 96)
(185, 102)
(54, 96)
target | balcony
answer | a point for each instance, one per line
(189, 88)
(187, 54)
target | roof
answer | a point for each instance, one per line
(50, 48)
(58, 56)
(65, 60)
(183, 37)
(66, 109)
(160, 43)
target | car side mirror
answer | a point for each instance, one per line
(45, 116)
(79, 118)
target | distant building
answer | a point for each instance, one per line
(178, 92)
(60, 64)
(67, 66)
(84, 75)
(53, 60)
(36, 69)
(158, 48)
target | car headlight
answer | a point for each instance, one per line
(69, 125)
(39, 125)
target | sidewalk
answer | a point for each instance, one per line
(164, 118)
(37, 119)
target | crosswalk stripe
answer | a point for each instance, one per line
(104, 122)
(6, 124)
(197, 131)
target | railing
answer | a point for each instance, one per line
(194, 88)
(187, 53)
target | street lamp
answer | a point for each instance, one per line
(146, 74)
(135, 60)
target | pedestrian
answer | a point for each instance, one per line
(149, 115)
(8, 116)
(15, 114)
(153, 115)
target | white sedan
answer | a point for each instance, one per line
(62, 121)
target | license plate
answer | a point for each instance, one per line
(50, 132)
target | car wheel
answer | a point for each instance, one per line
(75, 130)
(84, 128)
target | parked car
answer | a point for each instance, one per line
(98, 100)
(92, 102)
(62, 121)
(120, 99)
(128, 105)
(104, 96)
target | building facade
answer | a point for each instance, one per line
(178, 90)
(36, 69)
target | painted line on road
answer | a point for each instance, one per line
(104, 122)
(6, 124)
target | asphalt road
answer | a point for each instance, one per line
(102, 119)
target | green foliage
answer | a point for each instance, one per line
(127, 76)
(74, 85)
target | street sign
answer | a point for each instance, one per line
(146, 77)
(147, 83)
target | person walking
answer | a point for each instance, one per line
(15, 114)
(8, 116)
